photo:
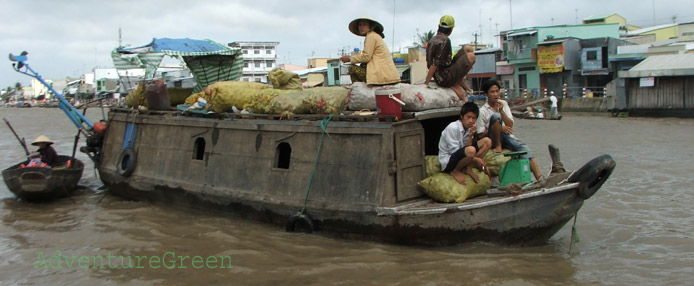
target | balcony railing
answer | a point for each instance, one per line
(520, 54)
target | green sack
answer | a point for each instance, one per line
(222, 95)
(319, 100)
(442, 187)
(282, 79)
(433, 165)
(136, 97)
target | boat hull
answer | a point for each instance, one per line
(363, 184)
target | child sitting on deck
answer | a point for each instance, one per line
(459, 151)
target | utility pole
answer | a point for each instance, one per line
(392, 47)
(491, 32)
(475, 34)
(576, 16)
(510, 8)
(480, 24)
(653, 12)
(497, 34)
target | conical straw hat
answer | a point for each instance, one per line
(40, 139)
(353, 26)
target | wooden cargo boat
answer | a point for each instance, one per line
(361, 172)
(43, 184)
(353, 176)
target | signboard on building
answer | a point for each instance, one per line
(595, 72)
(647, 82)
(550, 58)
(504, 70)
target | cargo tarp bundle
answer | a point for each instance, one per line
(416, 97)
(282, 79)
(262, 99)
(442, 187)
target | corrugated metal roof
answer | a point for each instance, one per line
(516, 34)
(649, 29)
(597, 17)
(665, 65)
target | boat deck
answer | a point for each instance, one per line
(555, 183)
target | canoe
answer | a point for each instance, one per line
(43, 184)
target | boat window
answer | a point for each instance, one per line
(283, 155)
(199, 149)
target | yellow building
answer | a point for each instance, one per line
(661, 32)
(317, 62)
(610, 19)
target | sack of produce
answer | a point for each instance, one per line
(442, 187)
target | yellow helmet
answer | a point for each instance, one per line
(447, 21)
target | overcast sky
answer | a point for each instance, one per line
(69, 38)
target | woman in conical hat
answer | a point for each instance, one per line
(46, 151)
(376, 63)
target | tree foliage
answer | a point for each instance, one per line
(424, 38)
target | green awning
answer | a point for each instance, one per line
(208, 61)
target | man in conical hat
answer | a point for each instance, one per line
(47, 153)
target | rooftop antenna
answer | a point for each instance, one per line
(120, 38)
(576, 9)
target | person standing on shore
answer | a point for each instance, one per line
(553, 107)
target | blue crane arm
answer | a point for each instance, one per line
(77, 118)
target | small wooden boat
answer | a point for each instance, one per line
(44, 184)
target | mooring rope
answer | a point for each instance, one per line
(574, 233)
(323, 127)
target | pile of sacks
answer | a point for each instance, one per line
(442, 187)
(416, 97)
(138, 97)
(263, 99)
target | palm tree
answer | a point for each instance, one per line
(424, 38)
(18, 90)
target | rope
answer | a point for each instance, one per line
(323, 126)
(132, 127)
(574, 234)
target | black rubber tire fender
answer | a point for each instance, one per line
(304, 218)
(593, 175)
(126, 162)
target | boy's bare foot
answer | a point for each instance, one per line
(462, 95)
(497, 149)
(458, 177)
(468, 171)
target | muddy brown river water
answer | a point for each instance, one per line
(637, 230)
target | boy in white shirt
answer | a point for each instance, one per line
(459, 149)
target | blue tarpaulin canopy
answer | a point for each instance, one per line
(208, 61)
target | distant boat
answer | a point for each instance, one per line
(43, 184)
